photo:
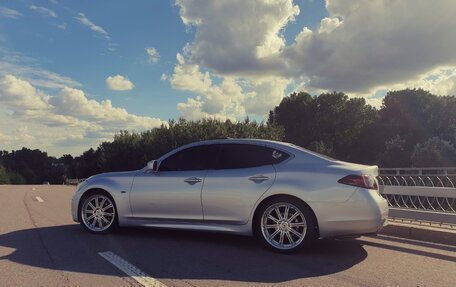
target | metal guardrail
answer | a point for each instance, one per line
(430, 177)
(423, 194)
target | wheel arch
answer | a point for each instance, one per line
(282, 196)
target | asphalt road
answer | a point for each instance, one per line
(40, 245)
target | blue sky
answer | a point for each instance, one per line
(75, 51)
(83, 55)
(72, 73)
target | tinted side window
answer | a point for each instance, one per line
(194, 158)
(246, 155)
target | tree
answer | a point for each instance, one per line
(4, 178)
(329, 123)
(395, 154)
(434, 152)
(33, 165)
(418, 115)
(130, 150)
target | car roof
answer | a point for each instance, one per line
(263, 142)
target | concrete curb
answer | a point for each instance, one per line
(419, 232)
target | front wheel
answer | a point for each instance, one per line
(285, 225)
(98, 213)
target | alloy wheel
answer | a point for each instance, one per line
(283, 226)
(98, 213)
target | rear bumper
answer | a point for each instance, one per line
(364, 212)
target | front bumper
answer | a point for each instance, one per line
(75, 201)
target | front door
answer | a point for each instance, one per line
(174, 191)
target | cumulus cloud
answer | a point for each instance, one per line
(119, 83)
(237, 36)
(63, 118)
(367, 44)
(211, 99)
(439, 81)
(224, 97)
(360, 48)
(17, 93)
(233, 65)
(9, 13)
(21, 134)
(43, 11)
(154, 56)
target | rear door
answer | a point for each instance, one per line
(242, 173)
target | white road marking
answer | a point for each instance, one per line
(39, 199)
(131, 270)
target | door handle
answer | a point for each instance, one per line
(258, 178)
(192, 180)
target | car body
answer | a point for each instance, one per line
(239, 186)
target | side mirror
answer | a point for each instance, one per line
(153, 165)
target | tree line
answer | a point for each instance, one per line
(412, 128)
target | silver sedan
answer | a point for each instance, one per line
(283, 194)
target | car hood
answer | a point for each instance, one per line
(117, 174)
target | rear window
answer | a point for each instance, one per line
(313, 153)
(234, 156)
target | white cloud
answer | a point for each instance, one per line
(367, 44)
(92, 26)
(73, 102)
(82, 18)
(67, 119)
(154, 56)
(212, 100)
(360, 48)
(439, 81)
(224, 96)
(21, 94)
(237, 36)
(327, 25)
(119, 83)
(44, 11)
(62, 26)
(27, 69)
(9, 13)
(233, 64)
(21, 135)
(264, 94)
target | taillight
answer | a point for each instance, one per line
(363, 181)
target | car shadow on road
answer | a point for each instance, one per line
(176, 254)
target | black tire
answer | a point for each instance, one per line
(98, 213)
(278, 236)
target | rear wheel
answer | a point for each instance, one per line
(98, 213)
(285, 225)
